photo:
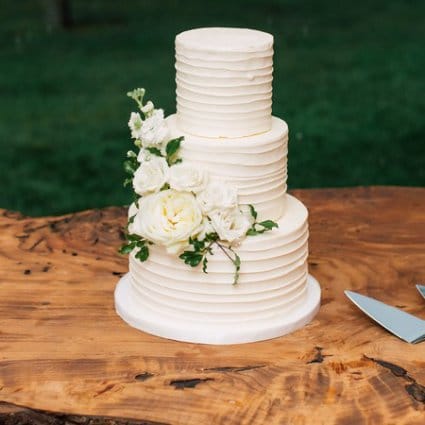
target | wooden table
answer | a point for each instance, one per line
(65, 356)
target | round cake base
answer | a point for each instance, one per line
(143, 318)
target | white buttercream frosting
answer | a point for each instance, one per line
(256, 165)
(224, 81)
(273, 277)
(224, 90)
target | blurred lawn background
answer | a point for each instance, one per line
(348, 79)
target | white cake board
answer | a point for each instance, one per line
(143, 318)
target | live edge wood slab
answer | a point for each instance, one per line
(67, 358)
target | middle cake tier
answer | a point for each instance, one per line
(256, 165)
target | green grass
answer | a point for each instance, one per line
(349, 80)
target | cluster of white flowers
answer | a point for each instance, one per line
(190, 205)
(219, 202)
(153, 131)
(179, 201)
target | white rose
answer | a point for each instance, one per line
(150, 176)
(246, 211)
(135, 123)
(218, 196)
(186, 177)
(132, 210)
(154, 130)
(206, 227)
(231, 225)
(169, 218)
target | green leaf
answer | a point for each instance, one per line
(154, 151)
(198, 245)
(131, 165)
(211, 237)
(196, 259)
(128, 167)
(131, 237)
(127, 181)
(252, 232)
(268, 224)
(204, 264)
(191, 258)
(253, 211)
(127, 248)
(173, 146)
(143, 253)
(237, 263)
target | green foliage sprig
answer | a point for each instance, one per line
(258, 228)
(171, 151)
(200, 249)
(130, 166)
(136, 242)
(137, 95)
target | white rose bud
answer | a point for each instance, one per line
(150, 176)
(154, 130)
(148, 108)
(218, 196)
(186, 177)
(231, 225)
(169, 218)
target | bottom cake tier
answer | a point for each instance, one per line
(274, 296)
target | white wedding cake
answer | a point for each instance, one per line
(233, 157)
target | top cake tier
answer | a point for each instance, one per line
(224, 82)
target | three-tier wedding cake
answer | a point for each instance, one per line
(217, 248)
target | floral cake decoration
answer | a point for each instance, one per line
(178, 205)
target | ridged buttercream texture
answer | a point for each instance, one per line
(224, 81)
(273, 277)
(256, 165)
(224, 90)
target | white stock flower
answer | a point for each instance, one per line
(186, 177)
(150, 176)
(148, 108)
(154, 130)
(218, 196)
(143, 155)
(231, 225)
(168, 218)
(135, 123)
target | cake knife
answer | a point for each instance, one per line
(421, 289)
(404, 325)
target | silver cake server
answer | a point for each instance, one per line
(402, 324)
(421, 289)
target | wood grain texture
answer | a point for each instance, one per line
(64, 350)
